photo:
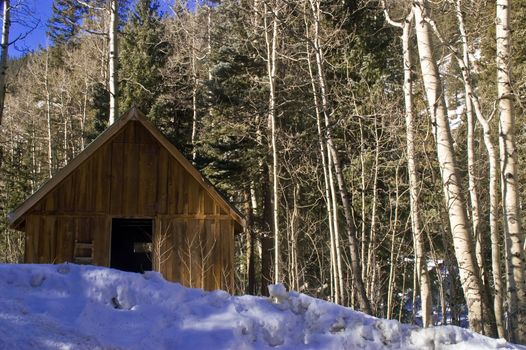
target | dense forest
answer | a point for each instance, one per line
(374, 147)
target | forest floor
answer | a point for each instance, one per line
(83, 307)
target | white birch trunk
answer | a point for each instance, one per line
(48, 117)
(472, 98)
(479, 312)
(338, 271)
(472, 183)
(392, 257)
(194, 95)
(509, 181)
(3, 56)
(271, 71)
(362, 197)
(363, 301)
(328, 197)
(418, 235)
(84, 114)
(113, 83)
(371, 266)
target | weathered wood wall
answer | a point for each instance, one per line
(134, 176)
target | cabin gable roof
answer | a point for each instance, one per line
(17, 217)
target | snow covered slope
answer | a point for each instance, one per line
(82, 307)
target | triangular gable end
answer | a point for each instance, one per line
(16, 218)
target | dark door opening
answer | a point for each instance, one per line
(131, 244)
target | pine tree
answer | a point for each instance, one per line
(142, 56)
(64, 24)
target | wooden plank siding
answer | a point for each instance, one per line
(193, 254)
(133, 175)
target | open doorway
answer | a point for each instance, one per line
(131, 244)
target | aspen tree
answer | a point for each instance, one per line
(48, 115)
(480, 315)
(328, 198)
(509, 182)
(271, 42)
(356, 268)
(113, 60)
(416, 226)
(195, 84)
(3, 55)
(472, 102)
(473, 99)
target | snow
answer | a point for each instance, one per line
(84, 307)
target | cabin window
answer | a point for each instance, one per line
(131, 244)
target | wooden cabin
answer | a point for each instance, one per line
(132, 201)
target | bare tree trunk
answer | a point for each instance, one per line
(328, 197)
(113, 82)
(472, 184)
(394, 256)
(338, 271)
(295, 219)
(265, 237)
(362, 197)
(418, 235)
(3, 56)
(371, 266)
(363, 300)
(415, 292)
(195, 77)
(480, 315)
(84, 114)
(48, 117)
(271, 71)
(401, 309)
(509, 181)
(472, 100)
(251, 243)
(194, 98)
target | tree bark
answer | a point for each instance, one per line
(195, 82)
(251, 242)
(3, 56)
(480, 315)
(332, 217)
(418, 235)
(362, 198)
(472, 99)
(48, 118)
(338, 270)
(113, 61)
(356, 268)
(509, 181)
(271, 71)
(371, 253)
(266, 234)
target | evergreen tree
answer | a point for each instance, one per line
(64, 24)
(143, 54)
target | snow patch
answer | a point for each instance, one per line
(83, 307)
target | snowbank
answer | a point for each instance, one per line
(82, 307)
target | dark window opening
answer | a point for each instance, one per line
(131, 244)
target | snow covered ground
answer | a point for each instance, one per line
(82, 307)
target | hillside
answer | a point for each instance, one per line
(82, 307)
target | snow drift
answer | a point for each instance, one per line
(83, 307)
